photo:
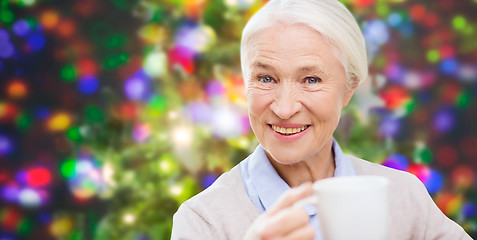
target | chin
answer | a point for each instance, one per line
(285, 157)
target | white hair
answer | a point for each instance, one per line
(328, 17)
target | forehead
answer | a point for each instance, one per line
(290, 42)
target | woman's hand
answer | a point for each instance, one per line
(284, 220)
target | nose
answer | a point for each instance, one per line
(286, 102)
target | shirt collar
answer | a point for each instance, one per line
(268, 186)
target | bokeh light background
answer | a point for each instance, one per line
(112, 113)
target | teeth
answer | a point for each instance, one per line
(288, 131)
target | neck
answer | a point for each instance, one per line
(320, 165)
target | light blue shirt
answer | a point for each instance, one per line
(264, 186)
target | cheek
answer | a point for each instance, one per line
(324, 106)
(257, 101)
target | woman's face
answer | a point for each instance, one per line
(295, 92)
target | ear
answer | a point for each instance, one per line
(350, 88)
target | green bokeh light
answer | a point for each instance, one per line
(6, 16)
(73, 134)
(432, 56)
(93, 113)
(157, 106)
(123, 4)
(27, 3)
(380, 61)
(459, 22)
(463, 100)
(68, 168)
(184, 189)
(382, 9)
(115, 61)
(423, 155)
(469, 29)
(33, 23)
(168, 166)
(116, 41)
(24, 227)
(76, 235)
(68, 73)
(23, 122)
(410, 106)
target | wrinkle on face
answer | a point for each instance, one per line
(289, 55)
(287, 100)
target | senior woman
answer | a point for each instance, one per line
(301, 61)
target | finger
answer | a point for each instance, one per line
(286, 221)
(291, 196)
(305, 233)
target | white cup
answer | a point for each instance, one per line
(354, 207)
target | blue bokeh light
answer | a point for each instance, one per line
(42, 113)
(6, 47)
(449, 66)
(397, 161)
(36, 41)
(6, 145)
(435, 182)
(469, 210)
(444, 120)
(394, 19)
(88, 85)
(138, 87)
(390, 127)
(21, 28)
(208, 180)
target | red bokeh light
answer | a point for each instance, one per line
(4, 176)
(38, 177)
(420, 171)
(418, 12)
(183, 58)
(468, 146)
(87, 67)
(10, 217)
(446, 156)
(395, 97)
(431, 20)
(128, 111)
(66, 28)
(8, 112)
(447, 51)
(363, 3)
(463, 176)
(450, 91)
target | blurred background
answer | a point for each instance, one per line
(112, 113)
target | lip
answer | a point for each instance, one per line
(289, 138)
(289, 125)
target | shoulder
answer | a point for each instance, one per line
(414, 215)
(364, 167)
(217, 208)
(226, 192)
(404, 186)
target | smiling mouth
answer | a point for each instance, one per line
(288, 131)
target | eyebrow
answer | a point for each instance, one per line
(301, 69)
(311, 69)
(261, 65)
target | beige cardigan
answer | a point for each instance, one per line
(224, 211)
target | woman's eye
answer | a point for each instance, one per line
(312, 80)
(265, 79)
